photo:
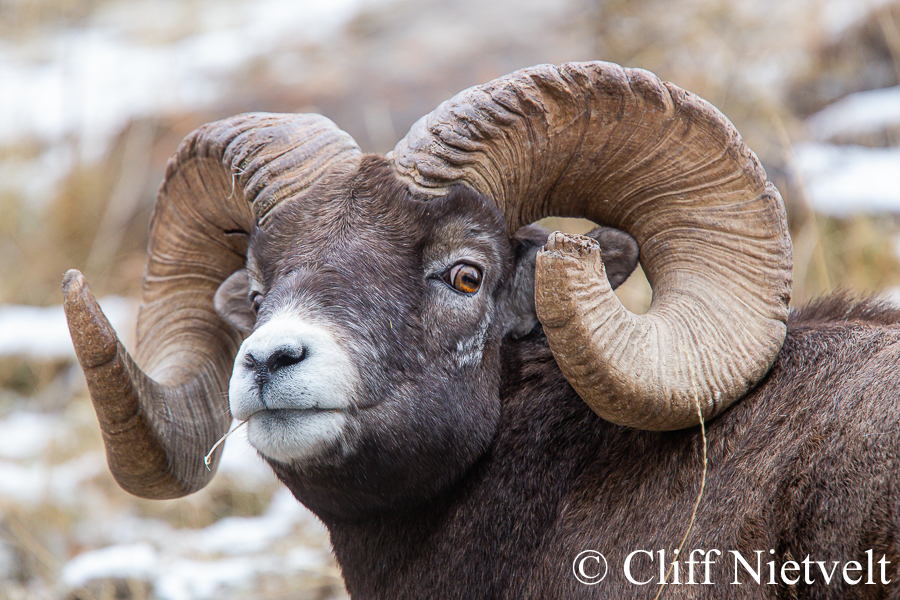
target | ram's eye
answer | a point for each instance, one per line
(463, 278)
(256, 301)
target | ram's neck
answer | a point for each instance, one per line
(488, 533)
(483, 536)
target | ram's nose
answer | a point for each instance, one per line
(290, 363)
(266, 364)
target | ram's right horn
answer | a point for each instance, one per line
(622, 148)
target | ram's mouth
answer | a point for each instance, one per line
(290, 413)
(264, 408)
(295, 434)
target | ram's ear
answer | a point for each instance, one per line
(620, 257)
(619, 251)
(232, 302)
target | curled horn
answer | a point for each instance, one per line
(162, 412)
(622, 148)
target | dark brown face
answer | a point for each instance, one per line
(371, 375)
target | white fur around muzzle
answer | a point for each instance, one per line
(297, 411)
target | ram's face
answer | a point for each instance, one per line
(376, 341)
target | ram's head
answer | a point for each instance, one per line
(377, 292)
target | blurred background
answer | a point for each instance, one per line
(96, 94)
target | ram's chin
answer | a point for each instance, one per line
(291, 436)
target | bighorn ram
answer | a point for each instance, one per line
(396, 377)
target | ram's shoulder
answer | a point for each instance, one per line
(839, 363)
(839, 337)
(842, 309)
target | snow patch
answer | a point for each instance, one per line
(27, 434)
(87, 83)
(241, 535)
(859, 113)
(843, 180)
(22, 484)
(185, 564)
(134, 561)
(39, 483)
(42, 333)
(65, 486)
(202, 580)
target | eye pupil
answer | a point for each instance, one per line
(465, 278)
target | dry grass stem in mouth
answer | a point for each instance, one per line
(208, 458)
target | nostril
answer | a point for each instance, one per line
(264, 366)
(284, 357)
(250, 362)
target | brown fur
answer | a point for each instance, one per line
(807, 464)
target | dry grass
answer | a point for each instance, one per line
(855, 254)
(96, 220)
(19, 19)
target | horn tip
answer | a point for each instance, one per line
(563, 267)
(571, 244)
(72, 277)
(94, 338)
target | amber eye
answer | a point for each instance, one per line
(464, 278)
